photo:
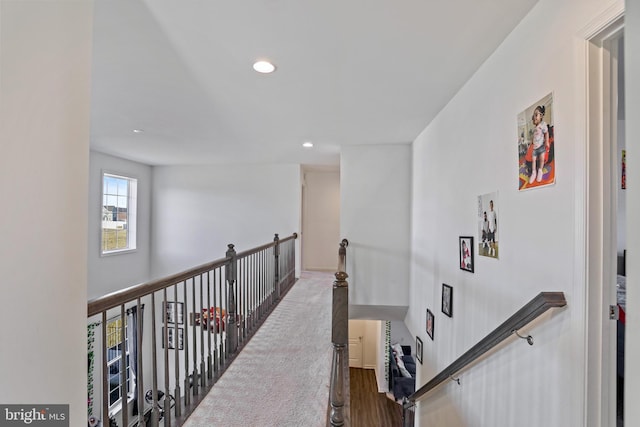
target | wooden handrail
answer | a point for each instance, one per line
(257, 249)
(131, 293)
(226, 301)
(530, 311)
(134, 292)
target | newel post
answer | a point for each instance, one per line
(342, 255)
(231, 276)
(276, 257)
(339, 338)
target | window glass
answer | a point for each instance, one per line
(118, 213)
(115, 362)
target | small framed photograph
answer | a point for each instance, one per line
(194, 319)
(447, 300)
(419, 349)
(430, 324)
(466, 253)
(171, 338)
(174, 312)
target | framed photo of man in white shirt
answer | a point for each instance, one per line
(488, 225)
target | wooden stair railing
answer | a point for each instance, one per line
(204, 315)
(529, 312)
(339, 406)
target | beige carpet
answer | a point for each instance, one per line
(281, 377)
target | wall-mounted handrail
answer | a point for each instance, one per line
(530, 311)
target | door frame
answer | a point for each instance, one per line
(600, 178)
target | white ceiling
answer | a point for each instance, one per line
(348, 72)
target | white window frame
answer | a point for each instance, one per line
(116, 406)
(106, 199)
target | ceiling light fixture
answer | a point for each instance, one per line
(264, 67)
(307, 144)
(138, 131)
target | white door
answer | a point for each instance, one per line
(356, 343)
(355, 352)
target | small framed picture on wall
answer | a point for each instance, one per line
(419, 349)
(466, 253)
(447, 300)
(430, 324)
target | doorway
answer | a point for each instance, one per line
(320, 217)
(605, 224)
(365, 344)
(621, 227)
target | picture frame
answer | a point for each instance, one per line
(488, 230)
(171, 338)
(447, 300)
(536, 141)
(465, 250)
(419, 349)
(174, 313)
(430, 323)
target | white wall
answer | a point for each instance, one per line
(400, 334)
(198, 210)
(117, 271)
(375, 191)
(321, 218)
(45, 52)
(632, 341)
(471, 149)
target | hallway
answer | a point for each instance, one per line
(281, 377)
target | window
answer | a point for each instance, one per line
(115, 362)
(118, 213)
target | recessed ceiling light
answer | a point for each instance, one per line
(307, 144)
(264, 67)
(138, 131)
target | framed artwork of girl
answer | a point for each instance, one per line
(466, 253)
(536, 165)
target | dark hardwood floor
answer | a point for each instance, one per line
(368, 407)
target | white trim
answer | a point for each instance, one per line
(580, 246)
(610, 220)
(132, 213)
(597, 25)
(594, 220)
